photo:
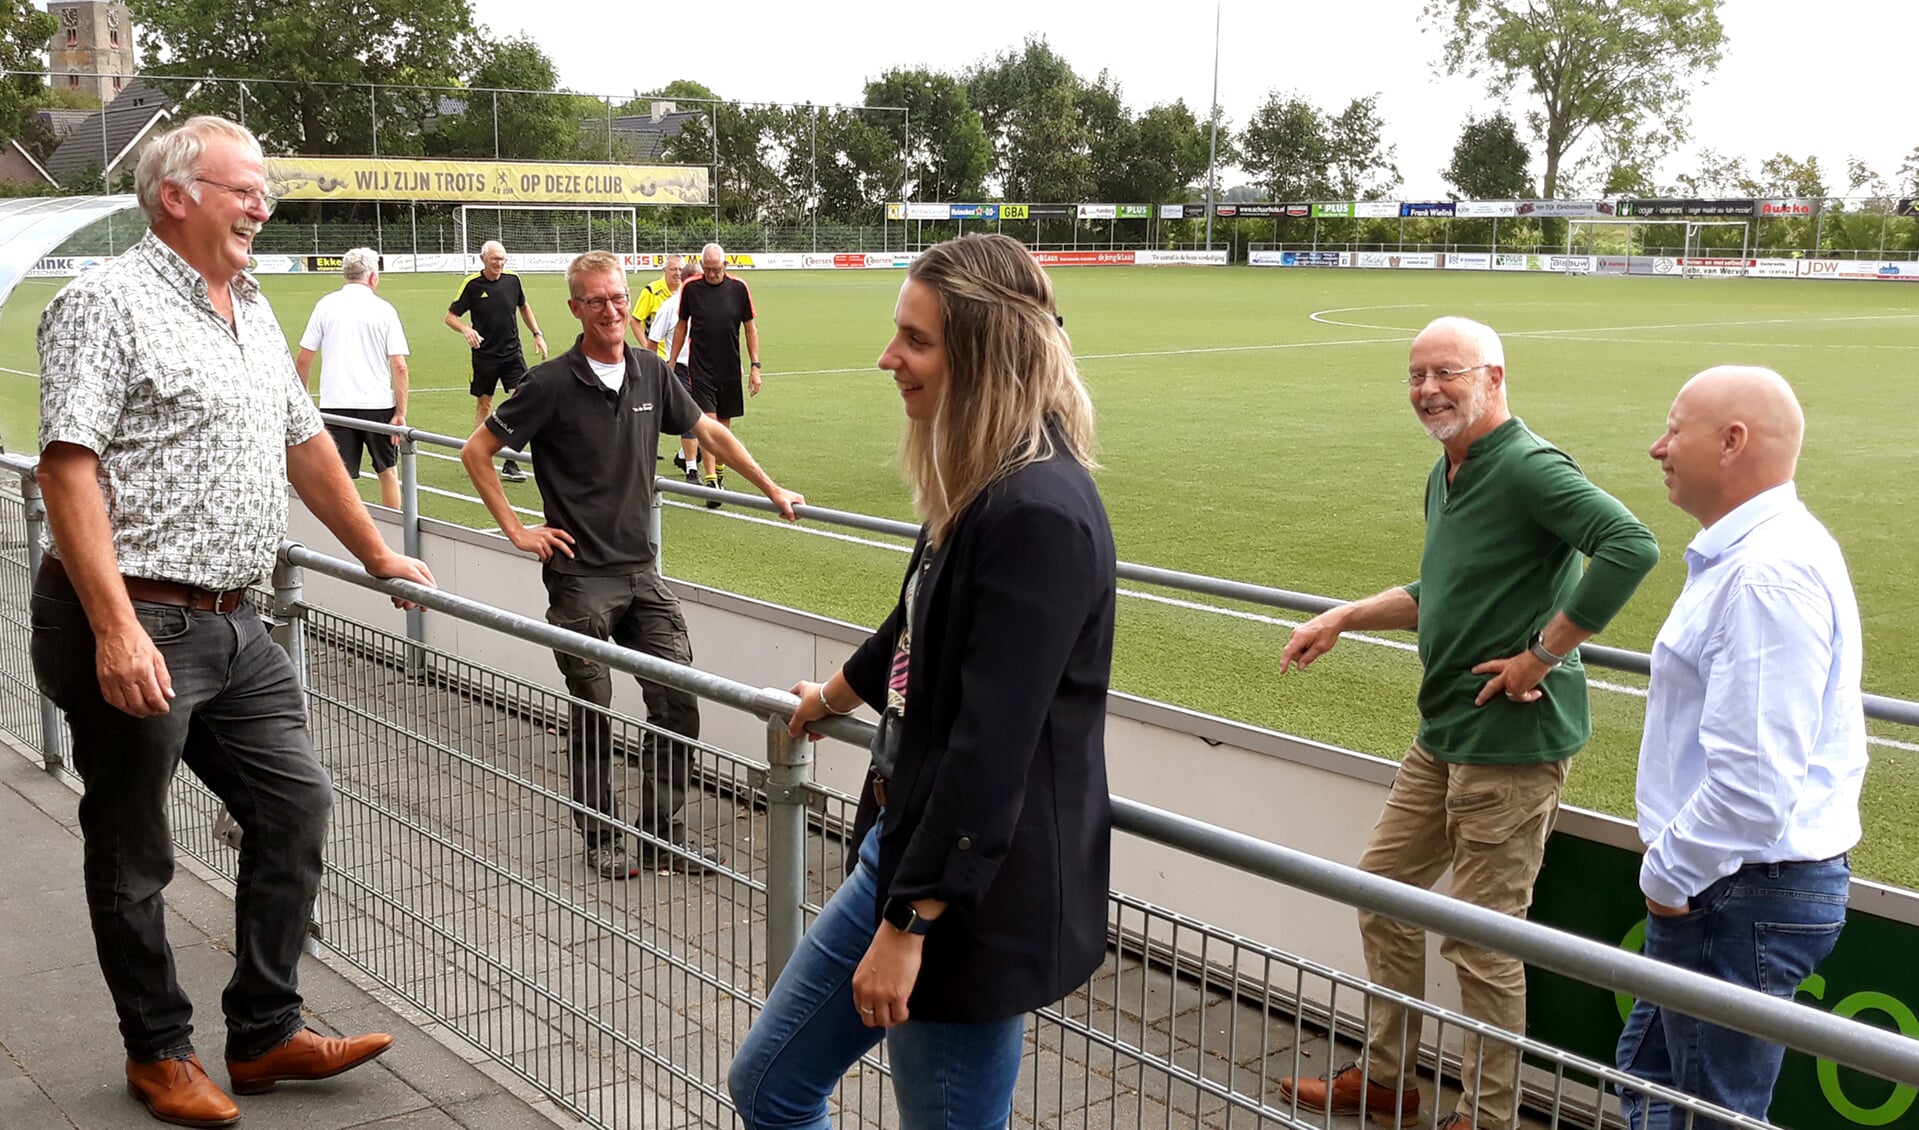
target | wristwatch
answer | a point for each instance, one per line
(900, 915)
(756, 365)
(1538, 648)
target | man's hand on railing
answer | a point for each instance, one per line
(786, 500)
(399, 567)
(541, 541)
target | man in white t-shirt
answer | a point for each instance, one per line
(660, 334)
(364, 376)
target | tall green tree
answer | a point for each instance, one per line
(749, 187)
(1297, 151)
(1029, 103)
(939, 132)
(839, 161)
(318, 45)
(24, 31)
(1788, 176)
(1909, 173)
(1489, 161)
(1169, 155)
(1283, 147)
(502, 118)
(1617, 64)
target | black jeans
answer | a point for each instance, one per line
(638, 611)
(238, 720)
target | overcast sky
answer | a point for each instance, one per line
(1778, 89)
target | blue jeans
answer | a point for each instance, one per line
(1766, 926)
(945, 1076)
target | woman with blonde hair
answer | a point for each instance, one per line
(980, 888)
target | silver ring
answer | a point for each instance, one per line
(867, 1011)
(1512, 696)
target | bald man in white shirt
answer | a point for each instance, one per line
(1755, 742)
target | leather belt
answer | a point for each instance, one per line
(171, 593)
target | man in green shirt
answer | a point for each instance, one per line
(1501, 606)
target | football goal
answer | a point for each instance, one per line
(549, 229)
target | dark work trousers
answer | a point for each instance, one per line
(238, 720)
(638, 611)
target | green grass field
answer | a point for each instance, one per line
(1253, 426)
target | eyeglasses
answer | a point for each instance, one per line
(255, 197)
(617, 301)
(1443, 376)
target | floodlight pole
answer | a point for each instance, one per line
(1212, 146)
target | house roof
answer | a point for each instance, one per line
(20, 149)
(103, 136)
(645, 136)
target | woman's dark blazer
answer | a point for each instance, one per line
(998, 802)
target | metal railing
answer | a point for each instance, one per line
(1883, 707)
(453, 878)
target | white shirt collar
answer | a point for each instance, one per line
(1748, 516)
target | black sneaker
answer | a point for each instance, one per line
(690, 859)
(510, 473)
(679, 461)
(713, 481)
(693, 473)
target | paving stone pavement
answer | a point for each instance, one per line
(60, 1054)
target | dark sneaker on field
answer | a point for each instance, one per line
(510, 473)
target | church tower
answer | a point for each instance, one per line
(92, 48)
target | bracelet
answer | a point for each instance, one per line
(828, 707)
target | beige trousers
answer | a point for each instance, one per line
(1488, 823)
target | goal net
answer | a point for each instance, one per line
(547, 233)
(1710, 253)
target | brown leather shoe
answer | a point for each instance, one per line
(308, 1055)
(1345, 1091)
(178, 1091)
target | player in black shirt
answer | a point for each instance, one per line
(491, 298)
(713, 310)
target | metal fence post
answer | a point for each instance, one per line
(53, 750)
(410, 545)
(654, 516)
(789, 772)
(289, 615)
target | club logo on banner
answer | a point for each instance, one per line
(483, 182)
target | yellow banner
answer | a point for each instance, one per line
(483, 182)
(1012, 211)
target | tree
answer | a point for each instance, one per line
(940, 133)
(24, 31)
(1283, 148)
(1362, 165)
(333, 99)
(513, 124)
(1296, 151)
(1909, 173)
(1719, 175)
(745, 183)
(1169, 154)
(1781, 175)
(1029, 104)
(1489, 161)
(1621, 64)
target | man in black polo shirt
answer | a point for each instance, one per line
(491, 298)
(713, 310)
(592, 417)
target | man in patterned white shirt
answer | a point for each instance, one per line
(171, 420)
(1754, 748)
